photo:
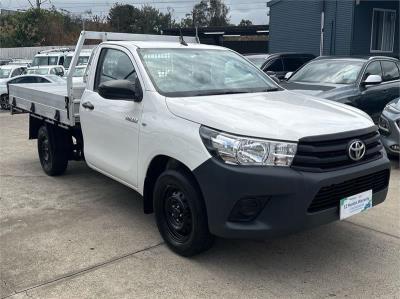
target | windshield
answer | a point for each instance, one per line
(79, 72)
(82, 60)
(4, 73)
(41, 71)
(329, 71)
(197, 72)
(258, 61)
(45, 60)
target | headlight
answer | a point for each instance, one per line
(238, 150)
(384, 125)
(391, 108)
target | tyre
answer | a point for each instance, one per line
(181, 214)
(53, 150)
(4, 102)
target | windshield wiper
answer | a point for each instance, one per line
(272, 89)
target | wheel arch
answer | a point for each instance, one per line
(156, 167)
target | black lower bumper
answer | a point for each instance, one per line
(287, 193)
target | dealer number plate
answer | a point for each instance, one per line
(355, 204)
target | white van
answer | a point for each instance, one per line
(51, 57)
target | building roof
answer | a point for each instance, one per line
(220, 30)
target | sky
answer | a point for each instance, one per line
(255, 11)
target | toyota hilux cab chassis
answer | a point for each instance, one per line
(214, 146)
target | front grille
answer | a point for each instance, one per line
(326, 153)
(330, 196)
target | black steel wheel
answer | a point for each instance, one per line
(181, 214)
(53, 151)
(177, 213)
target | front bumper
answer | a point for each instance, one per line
(288, 194)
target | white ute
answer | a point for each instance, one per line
(214, 146)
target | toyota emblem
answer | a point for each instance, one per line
(356, 150)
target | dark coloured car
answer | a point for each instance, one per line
(279, 64)
(365, 83)
(389, 127)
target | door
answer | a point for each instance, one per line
(391, 79)
(372, 98)
(111, 127)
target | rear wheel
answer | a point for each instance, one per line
(181, 214)
(53, 150)
(4, 102)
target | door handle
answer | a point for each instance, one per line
(88, 105)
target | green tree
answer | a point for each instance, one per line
(207, 13)
(147, 19)
(245, 23)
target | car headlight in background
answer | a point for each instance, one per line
(239, 150)
(384, 125)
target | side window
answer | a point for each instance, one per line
(28, 80)
(373, 68)
(59, 71)
(114, 65)
(274, 66)
(61, 61)
(42, 80)
(15, 81)
(53, 60)
(17, 72)
(291, 64)
(390, 71)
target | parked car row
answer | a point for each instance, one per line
(48, 66)
(367, 83)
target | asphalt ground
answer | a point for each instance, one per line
(83, 235)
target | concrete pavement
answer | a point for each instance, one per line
(83, 235)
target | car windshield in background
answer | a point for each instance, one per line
(4, 73)
(79, 72)
(329, 71)
(82, 60)
(45, 60)
(197, 72)
(41, 71)
(258, 61)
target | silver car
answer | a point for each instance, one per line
(389, 126)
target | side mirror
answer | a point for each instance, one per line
(288, 75)
(271, 73)
(372, 80)
(121, 90)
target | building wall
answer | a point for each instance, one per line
(363, 25)
(295, 26)
(338, 27)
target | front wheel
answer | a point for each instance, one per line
(181, 214)
(53, 150)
